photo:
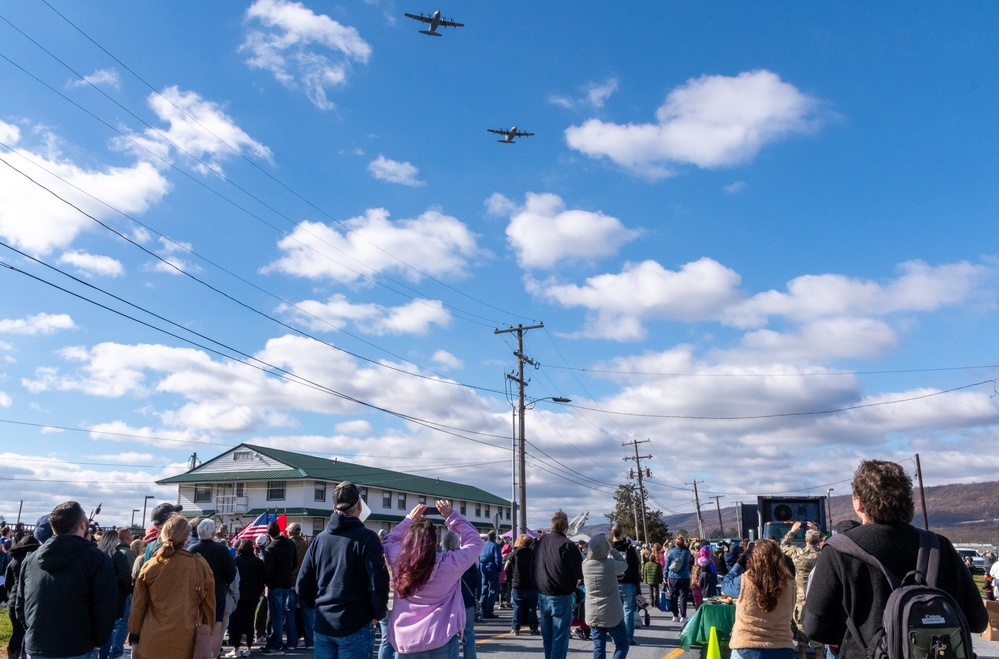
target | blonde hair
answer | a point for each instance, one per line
(174, 534)
(524, 540)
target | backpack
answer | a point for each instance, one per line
(920, 620)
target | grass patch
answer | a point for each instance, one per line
(5, 630)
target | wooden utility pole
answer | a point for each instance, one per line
(641, 490)
(697, 502)
(721, 527)
(922, 494)
(521, 406)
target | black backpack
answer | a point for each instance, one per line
(920, 620)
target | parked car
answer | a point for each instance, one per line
(977, 560)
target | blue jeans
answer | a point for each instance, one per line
(447, 651)
(490, 589)
(525, 608)
(627, 591)
(359, 645)
(618, 633)
(308, 621)
(556, 616)
(758, 653)
(281, 601)
(115, 645)
(468, 649)
(87, 655)
(678, 591)
(385, 649)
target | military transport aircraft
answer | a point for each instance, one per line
(435, 21)
(508, 135)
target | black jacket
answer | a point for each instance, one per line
(520, 569)
(558, 565)
(471, 585)
(252, 577)
(279, 562)
(223, 569)
(66, 597)
(344, 577)
(634, 573)
(843, 586)
(25, 546)
(123, 578)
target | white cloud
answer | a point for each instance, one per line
(43, 323)
(55, 224)
(99, 78)
(302, 49)
(710, 122)
(93, 264)
(618, 303)
(543, 233)
(337, 312)
(594, 95)
(125, 457)
(394, 171)
(171, 252)
(5, 400)
(499, 205)
(197, 129)
(434, 243)
(447, 360)
(735, 187)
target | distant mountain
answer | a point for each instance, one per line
(964, 513)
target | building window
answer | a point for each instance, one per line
(239, 456)
(463, 513)
(240, 489)
(401, 501)
(478, 510)
(487, 510)
(318, 524)
(320, 494)
(202, 493)
(387, 499)
(364, 493)
(508, 513)
(422, 500)
(275, 490)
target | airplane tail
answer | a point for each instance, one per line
(429, 33)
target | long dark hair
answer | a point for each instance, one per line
(417, 559)
(767, 569)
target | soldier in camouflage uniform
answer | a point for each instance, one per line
(804, 562)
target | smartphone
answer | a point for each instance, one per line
(431, 511)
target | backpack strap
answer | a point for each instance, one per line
(928, 561)
(844, 544)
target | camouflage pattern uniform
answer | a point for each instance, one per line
(804, 559)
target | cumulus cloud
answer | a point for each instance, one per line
(394, 171)
(5, 400)
(43, 323)
(337, 312)
(94, 265)
(172, 252)
(709, 122)
(543, 233)
(594, 95)
(447, 360)
(618, 303)
(197, 129)
(301, 49)
(54, 223)
(432, 244)
(99, 78)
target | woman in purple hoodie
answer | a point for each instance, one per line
(429, 614)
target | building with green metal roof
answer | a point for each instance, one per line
(247, 480)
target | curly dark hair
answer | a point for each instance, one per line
(767, 569)
(884, 491)
(416, 559)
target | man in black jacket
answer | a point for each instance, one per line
(279, 564)
(67, 596)
(844, 587)
(344, 578)
(558, 568)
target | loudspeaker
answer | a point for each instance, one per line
(792, 510)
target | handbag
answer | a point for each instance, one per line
(677, 564)
(203, 645)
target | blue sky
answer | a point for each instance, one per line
(762, 238)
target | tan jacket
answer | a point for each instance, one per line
(756, 628)
(172, 595)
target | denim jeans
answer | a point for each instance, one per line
(525, 608)
(359, 645)
(490, 589)
(447, 651)
(385, 649)
(627, 591)
(280, 601)
(763, 653)
(87, 655)
(308, 621)
(678, 590)
(618, 633)
(556, 616)
(115, 645)
(468, 649)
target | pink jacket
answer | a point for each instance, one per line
(430, 618)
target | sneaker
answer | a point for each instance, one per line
(244, 653)
(271, 652)
(676, 619)
(232, 654)
(515, 632)
(683, 619)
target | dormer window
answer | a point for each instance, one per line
(239, 456)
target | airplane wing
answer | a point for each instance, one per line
(521, 133)
(421, 18)
(448, 23)
(498, 132)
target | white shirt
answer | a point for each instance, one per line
(994, 572)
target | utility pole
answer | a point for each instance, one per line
(521, 406)
(721, 527)
(697, 502)
(922, 494)
(738, 517)
(641, 490)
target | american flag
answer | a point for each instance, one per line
(257, 528)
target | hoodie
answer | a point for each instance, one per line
(67, 597)
(25, 546)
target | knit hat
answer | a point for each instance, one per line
(43, 530)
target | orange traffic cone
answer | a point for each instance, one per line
(714, 651)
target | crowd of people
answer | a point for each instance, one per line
(419, 590)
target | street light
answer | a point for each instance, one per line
(144, 502)
(519, 454)
(829, 507)
(134, 510)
